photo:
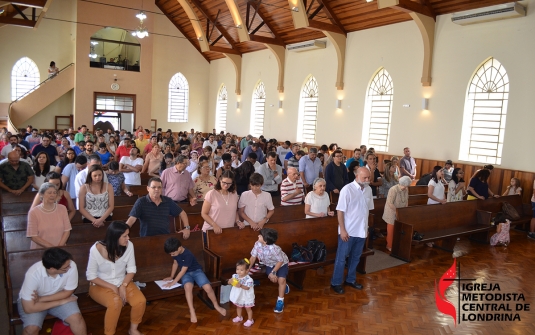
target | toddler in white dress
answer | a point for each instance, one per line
(242, 292)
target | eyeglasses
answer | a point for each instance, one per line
(225, 183)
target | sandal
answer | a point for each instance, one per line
(237, 319)
(248, 323)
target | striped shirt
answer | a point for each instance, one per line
(288, 187)
(293, 162)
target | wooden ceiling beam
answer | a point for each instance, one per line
(17, 22)
(268, 40)
(327, 9)
(407, 6)
(318, 25)
(195, 23)
(20, 11)
(225, 50)
(268, 24)
(222, 30)
(30, 3)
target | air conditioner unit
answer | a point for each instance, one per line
(491, 13)
(306, 46)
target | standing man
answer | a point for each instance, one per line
(131, 167)
(272, 174)
(375, 175)
(191, 135)
(253, 147)
(283, 150)
(245, 142)
(15, 177)
(356, 157)
(123, 150)
(292, 192)
(48, 288)
(407, 164)
(80, 136)
(210, 142)
(141, 143)
(336, 173)
(177, 183)
(353, 208)
(68, 176)
(310, 167)
(290, 154)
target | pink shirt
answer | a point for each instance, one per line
(176, 185)
(256, 206)
(222, 209)
(49, 226)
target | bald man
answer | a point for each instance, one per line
(15, 177)
(354, 205)
(292, 189)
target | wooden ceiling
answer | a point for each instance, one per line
(270, 21)
(22, 13)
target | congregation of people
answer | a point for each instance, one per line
(236, 181)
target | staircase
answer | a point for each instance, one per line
(42, 95)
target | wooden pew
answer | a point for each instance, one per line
(413, 190)
(151, 261)
(441, 223)
(379, 208)
(221, 256)
(9, 198)
(494, 205)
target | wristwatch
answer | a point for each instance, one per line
(274, 272)
(267, 219)
(187, 227)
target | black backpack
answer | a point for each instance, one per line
(318, 250)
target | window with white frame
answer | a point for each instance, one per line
(485, 111)
(378, 111)
(178, 99)
(258, 108)
(221, 109)
(308, 111)
(24, 77)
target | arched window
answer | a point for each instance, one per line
(378, 111)
(257, 110)
(178, 99)
(308, 111)
(24, 77)
(221, 109)
(485, 111)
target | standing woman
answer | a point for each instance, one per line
(204, 182)
(96, 198)
(41, 168)
(220, 207)
(457, 186)
(395, 161)
(398, 197)
(112, 145)
(390, 179)
(70, 156)
(153, 160)
(48, 223)
(52, 70)
(62, 198)
(479, 187)
(110, 270)
(435, 188)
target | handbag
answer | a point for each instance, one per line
(510, 212)
(417, 236)
(300, 253)
(318, 250)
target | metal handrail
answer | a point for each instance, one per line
(25, 94)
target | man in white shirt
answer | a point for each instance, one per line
(131, 167)
(81, 177)
(283, 150)
(210, 142)
(48, 288)
(353, 208)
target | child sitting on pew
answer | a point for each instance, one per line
(502, 231)
(275, 260)
(190, 273)
(242, 292)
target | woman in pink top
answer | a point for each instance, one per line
(153, 160)
(48, 223)
(220, 207)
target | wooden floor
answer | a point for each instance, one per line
(398, 300)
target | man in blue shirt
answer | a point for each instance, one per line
(45, 146)
(253, 147)
(310, 167)
(356, 157)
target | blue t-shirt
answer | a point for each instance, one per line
(187, 259)
(105, 157)
(289, 155)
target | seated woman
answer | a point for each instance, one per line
(256, 206)
(456, 186)
(435, 187)
(96, 199)
(220, 207)
(204, 182)
(63, 197)
(227, 165)
(110, 270)
(478, 187)
(116, 179)
(397, 197)
(41, 168)
(70, 156)
(317, 202)
(513, 188)
(153, 161)
(48, 223)
(243, 174)
(389, 179)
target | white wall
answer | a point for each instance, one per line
(433, 134)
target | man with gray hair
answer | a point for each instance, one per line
(310, 167)
(177, 183)
(354, 205)
(245, 142)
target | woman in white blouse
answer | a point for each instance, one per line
(317, 202)
(110, 270)
(435, 188)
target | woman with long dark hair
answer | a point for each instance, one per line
(456, 186)
(70, 156)
(220, 207)
(110, 270)
(41, 168)
(479, 187)
(242, 175)
(96, 198)
(435, 188)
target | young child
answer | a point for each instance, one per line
(502, 231)
(242, 292)
(513, 188)
(190, 272)
(275, 260)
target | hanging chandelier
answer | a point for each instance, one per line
(141, 31)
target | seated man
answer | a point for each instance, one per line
(292, 189)
(15, 177)
(48, 289)
(153, 211)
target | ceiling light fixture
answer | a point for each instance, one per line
(238, 26)
(295, 9)
(369, 0)
(141, 31)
